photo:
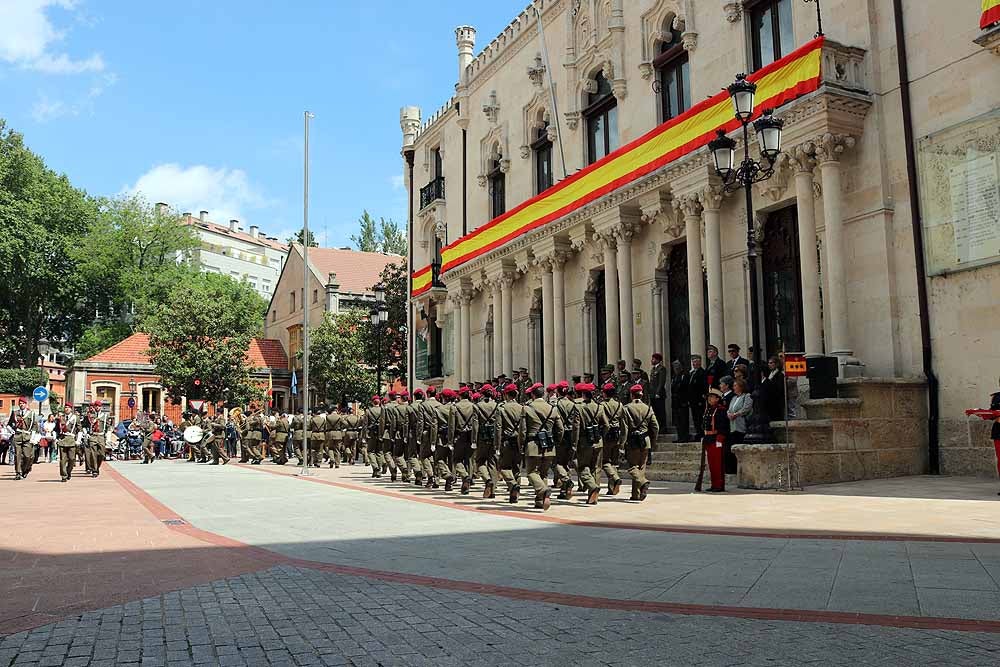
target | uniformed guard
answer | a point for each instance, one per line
(67, 426)
(464, 427)
(401, 444)
(352, 435)
(592, 425)
(523, 381)
(444, 448)
(642, 431)
(374, 424)
(25, 425)
(544, 429)
(254, 434)
(279, 444)
(147, 426)
(488, 443)
(197, 451)
(317, 436)
(215, 439)
(568, 412)
(429, 437)
(334, 436)
(93, 427)
(513, 433)
(298, 436)
(614, 437)
(715, 425)
(416, 435)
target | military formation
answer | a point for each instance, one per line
(79, 439)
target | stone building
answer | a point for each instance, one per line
(339, 278)
(242, 254)
(529, 257)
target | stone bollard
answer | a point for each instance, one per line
(766, 466)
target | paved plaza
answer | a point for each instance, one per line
(178, 563)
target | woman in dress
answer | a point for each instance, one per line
(740, 407)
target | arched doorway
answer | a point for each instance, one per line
(678, 324)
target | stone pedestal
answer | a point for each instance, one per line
(766, 466)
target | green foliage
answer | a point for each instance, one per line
(394, 279)
(383, 236)
(132, 256)
(21, 381)
(336, 356)
(98, 337)
(203, 332)
(298, 239)
(42, 218)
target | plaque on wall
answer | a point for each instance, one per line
(959, 170)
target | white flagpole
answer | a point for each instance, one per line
(305, 304)
(552, 86)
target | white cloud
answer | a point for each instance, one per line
(46, 109)
(396, 181)
(225, 193)
(27, 36)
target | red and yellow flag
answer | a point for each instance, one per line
(780, 82)
(421, 281)
(991, 13)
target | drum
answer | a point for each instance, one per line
(193, 435)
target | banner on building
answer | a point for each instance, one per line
(990, 15)
(795, 365)
(422, 281)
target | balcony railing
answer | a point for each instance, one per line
(432, 192)
(436, 274)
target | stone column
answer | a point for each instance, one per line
(711, 200)
(586, 316)
(657, 294)
(627, 316)
(828, 152)
(507, 328)
(691, 208)
(456, 309)
(466, 374)
(559, 310)
(812, 317)
(613, 313)
(497, 330)
(548, 323)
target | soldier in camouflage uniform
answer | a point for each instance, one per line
(614, 437)
(488, 443)
(544, 429)
(513, 433)
(589, 441)
(428, 437)
(444, 446)
(570, 415)
(463, 427)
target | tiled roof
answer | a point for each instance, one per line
(242, 236)
(357, 271)
(263, 352)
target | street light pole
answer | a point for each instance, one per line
(750, 171)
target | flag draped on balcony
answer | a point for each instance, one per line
(991, 13)
(782, 81)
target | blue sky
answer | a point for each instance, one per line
(200, 103)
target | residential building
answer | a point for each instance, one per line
(602, 232)
(339, 278)
(229, 250)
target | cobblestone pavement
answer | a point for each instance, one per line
(297, 616)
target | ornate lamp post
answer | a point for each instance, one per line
(379, 315)
(749, 171)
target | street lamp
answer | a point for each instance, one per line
(131, 390)
(750, 171)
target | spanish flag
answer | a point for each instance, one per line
(991, 14)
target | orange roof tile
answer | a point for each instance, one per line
(357, 271)
(263, 352)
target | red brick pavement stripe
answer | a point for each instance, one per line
(591, 602)
(532, 515)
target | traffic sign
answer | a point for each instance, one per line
(196, 405)
(40, 394)
(795, 365)
(131, 402)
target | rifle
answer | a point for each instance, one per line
(701, 470)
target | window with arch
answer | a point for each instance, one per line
(602, 120)
(541, 148)
(771, 32)
(498, 187)
(673, 76)
(291, 304)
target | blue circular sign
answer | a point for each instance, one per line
(131, 402)
(40, 394)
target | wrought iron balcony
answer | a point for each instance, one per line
(431, 192)
(436, 274)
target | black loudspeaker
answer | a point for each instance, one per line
(822, 373)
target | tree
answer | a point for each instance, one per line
(383, 236)
(336, 357)
(130, 260)
(394, 279)
(42, 218)
(298, 239)
(199, 339)
(100, 336)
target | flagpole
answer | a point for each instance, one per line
(552, 86)
(305, 305)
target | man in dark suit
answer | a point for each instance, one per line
(697, 389)
(735, 359)
(658, 389)
(679, 400)
(715, 367)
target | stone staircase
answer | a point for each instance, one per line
(678, 462)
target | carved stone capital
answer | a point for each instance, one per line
(830, 146)
(711, 197)
(802, 158)
(525, 152)
(572, 119)
(492, 107)
(481, 180)
(646, 70)
(733, 11)
(536, 71)
(690, 41)
(688, 205)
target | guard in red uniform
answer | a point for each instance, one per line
(716, 428)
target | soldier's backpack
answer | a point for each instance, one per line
(544, 436)
(615, 425)
(637, 435)
(487, 430)
(592, 432)
(567, 422)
